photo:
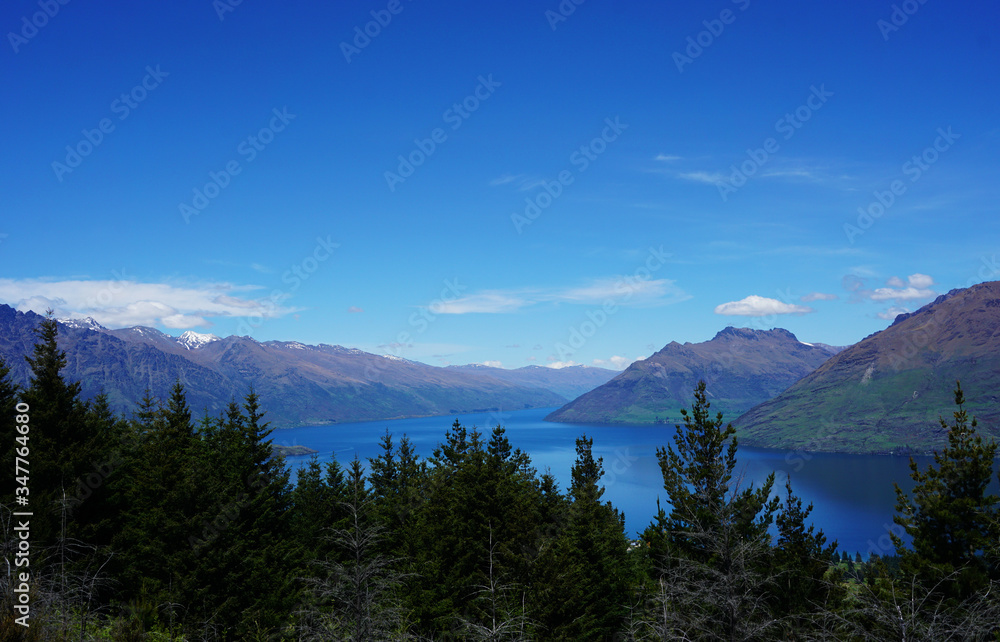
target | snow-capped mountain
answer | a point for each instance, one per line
(194, 340)
(87, 323)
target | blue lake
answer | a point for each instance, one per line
(852, 495)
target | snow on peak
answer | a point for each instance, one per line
(87, 323)
(194, 340)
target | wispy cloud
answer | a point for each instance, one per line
(623, 291)
(666, 158)
(759, 306)
(505, 179)
(710, 178)
(492, 302)
(520, 182)
(819, 296)
(123, 303)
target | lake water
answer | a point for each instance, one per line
(852, 495)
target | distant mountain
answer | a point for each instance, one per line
(569, 382)
(193, 340)
(297, 383)
(885, 394)
(742, 368)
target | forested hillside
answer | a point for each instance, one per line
(154, 527)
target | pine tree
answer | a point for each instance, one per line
(698, 480)
(584, 583)
(62, 445)
(713, 549)
(355, 596)
(801, 560)
(950, 517)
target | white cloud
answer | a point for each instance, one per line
(558, 365)
(758, 306)
(892, 313)
(917, 286)
(666, 158)
(355, 310)
(819, 296)
(492, 364)
(614, 363)
(906, 294)
(124, 303)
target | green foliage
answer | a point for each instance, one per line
(160, 528)
(586, 566)
(950, 517)
(704, 498)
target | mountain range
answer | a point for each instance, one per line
(298, 384)
(741, 367)
(886, 393)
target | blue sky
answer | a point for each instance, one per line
(517, 183)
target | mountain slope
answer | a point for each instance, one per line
(742, 368)
(885, 394)
(297, 383)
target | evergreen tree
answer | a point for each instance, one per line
(801, 560)
(585, 590)
(950, 517)
(355, 596)
(61, 441)
(713, 549)
(317, 505)
(247, 561)
(698, 480)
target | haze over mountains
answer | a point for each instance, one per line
(886, 393)
(297, 383)
(742, 368)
